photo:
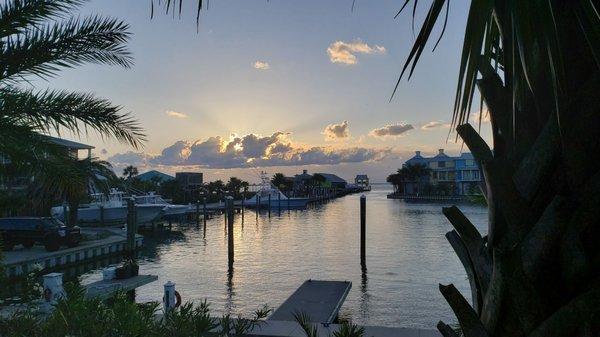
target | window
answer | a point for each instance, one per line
(470, 162)
(476, 175)
(442, 164)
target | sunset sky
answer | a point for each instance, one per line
(279, 86)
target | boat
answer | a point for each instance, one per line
(170, 210)
(261, 198)
(109, 209)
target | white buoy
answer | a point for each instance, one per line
(53, 287)
(169, 299)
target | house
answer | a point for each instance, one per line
(448, 175)
(21, 181)
(189, 181)
(331, 180)
(154, 175)
(361, 180)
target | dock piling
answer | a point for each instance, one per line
(243, 200)
(197, 213)
(131, 227)
(363, 224)
(279, 203)
(257, 206)
(229, 210)
(269, 205)
(53, 287)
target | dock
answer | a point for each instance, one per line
(106, 289)
(22, 261)
(320, 300)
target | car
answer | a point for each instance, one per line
(27, 231)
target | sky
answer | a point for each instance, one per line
(278, 86)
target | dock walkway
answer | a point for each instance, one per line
(21, 261)
(320, 300)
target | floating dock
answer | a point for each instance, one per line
(106, 289)
(22, 261)
(320, 300)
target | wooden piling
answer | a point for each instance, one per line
(243, 201)
(279, 203)
(197, 213)
(257, 205)
(363, 225)
(229, 210)
(204, 214)
(131, 227)
(288, 202)
(269, 205)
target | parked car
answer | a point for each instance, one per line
(49, 232)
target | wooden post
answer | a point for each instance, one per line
(257, 205)
(243, 201)
(229, 210)
(269, 204)
(131, 227)
(197, 213)
(204, 214)
(363, 224)
(288, 203)
(279, 202)
(101, 215)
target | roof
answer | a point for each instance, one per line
(147, 176)
(332, 178)
(418, 159)
(69, 143)
(361, 176)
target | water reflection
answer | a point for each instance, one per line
(407, 256)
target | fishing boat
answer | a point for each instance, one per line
(170, 210)
(109, 209)
(278, 199)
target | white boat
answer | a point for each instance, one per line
(170, 210)
(261, 198)
(110, 209)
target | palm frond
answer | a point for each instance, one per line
(18, 16)
(55, 111)
(43, 51)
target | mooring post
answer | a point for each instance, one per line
(257, 205)
(243, 201)
(169, 297)
(229, 207)
(204, 215)
(269, 204)
(363, 225)
(131, 226)
(288, 202)
(197, 213)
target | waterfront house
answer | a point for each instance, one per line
(333, 181)
(154, 176)
(362, 180)
(448, 175)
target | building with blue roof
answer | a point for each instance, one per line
(458, 175)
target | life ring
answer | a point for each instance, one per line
(178, 299)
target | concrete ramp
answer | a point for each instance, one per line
(320, 300)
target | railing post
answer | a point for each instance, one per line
(363, 225)
(230, 247)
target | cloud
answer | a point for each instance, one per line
(261, 65)
(392, 130)
(344, 52)
(474, 118)
(435, 125)
(336, 131)
(249, 151)
(175, 114)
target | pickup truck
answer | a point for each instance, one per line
(27, 231)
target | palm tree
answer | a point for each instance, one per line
(279, 180)
(130, 172)
(35, 41)
(536, 66)
(78, 178)
(416, 172)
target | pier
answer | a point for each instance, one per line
(22, 261)
(320, 300)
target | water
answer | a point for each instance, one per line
(407, 256)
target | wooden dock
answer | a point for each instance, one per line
(106, 289)
(22, 261)
(320, 300)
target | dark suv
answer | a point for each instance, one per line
(28, 230)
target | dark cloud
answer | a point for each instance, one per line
(337, 131)
(391, 130)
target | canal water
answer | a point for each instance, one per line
(407, 256)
